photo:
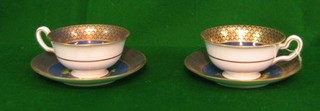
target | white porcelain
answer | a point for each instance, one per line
(85, 60)
(245, 62)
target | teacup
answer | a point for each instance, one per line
(88, 50)
(242, 51)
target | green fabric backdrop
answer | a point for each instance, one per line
(166, 31)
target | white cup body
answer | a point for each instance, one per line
(241, 59)
(88, 57)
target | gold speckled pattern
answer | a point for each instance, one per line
(242, 33)
(99, 32)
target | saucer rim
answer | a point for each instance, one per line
(217, 79)
(68, 80)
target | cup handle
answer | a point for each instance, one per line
(46, 30)
(286, 45)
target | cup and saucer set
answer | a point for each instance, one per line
(239, 56)
(86, 55)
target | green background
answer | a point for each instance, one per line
(166, 31)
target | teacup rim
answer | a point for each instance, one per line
(232, 46)
(85, 45)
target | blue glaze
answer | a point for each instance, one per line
(242, 44)
(88, 42)
(212, 70)
(60, 71)
(120, 67)
(56, 70)
(272, 71)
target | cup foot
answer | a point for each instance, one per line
(89, 74)
(241, 76)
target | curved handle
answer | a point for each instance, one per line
(286, 45)
(46, 30)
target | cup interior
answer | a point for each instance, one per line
(242, 35)
(88, 34)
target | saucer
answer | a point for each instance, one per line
(199, 63)
(46, 64)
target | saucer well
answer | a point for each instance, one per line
(199, 63)
(46, 64)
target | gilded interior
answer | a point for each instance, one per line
(242, 33)
(97, 32)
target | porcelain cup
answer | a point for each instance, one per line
(88, 49)
(242, 51)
